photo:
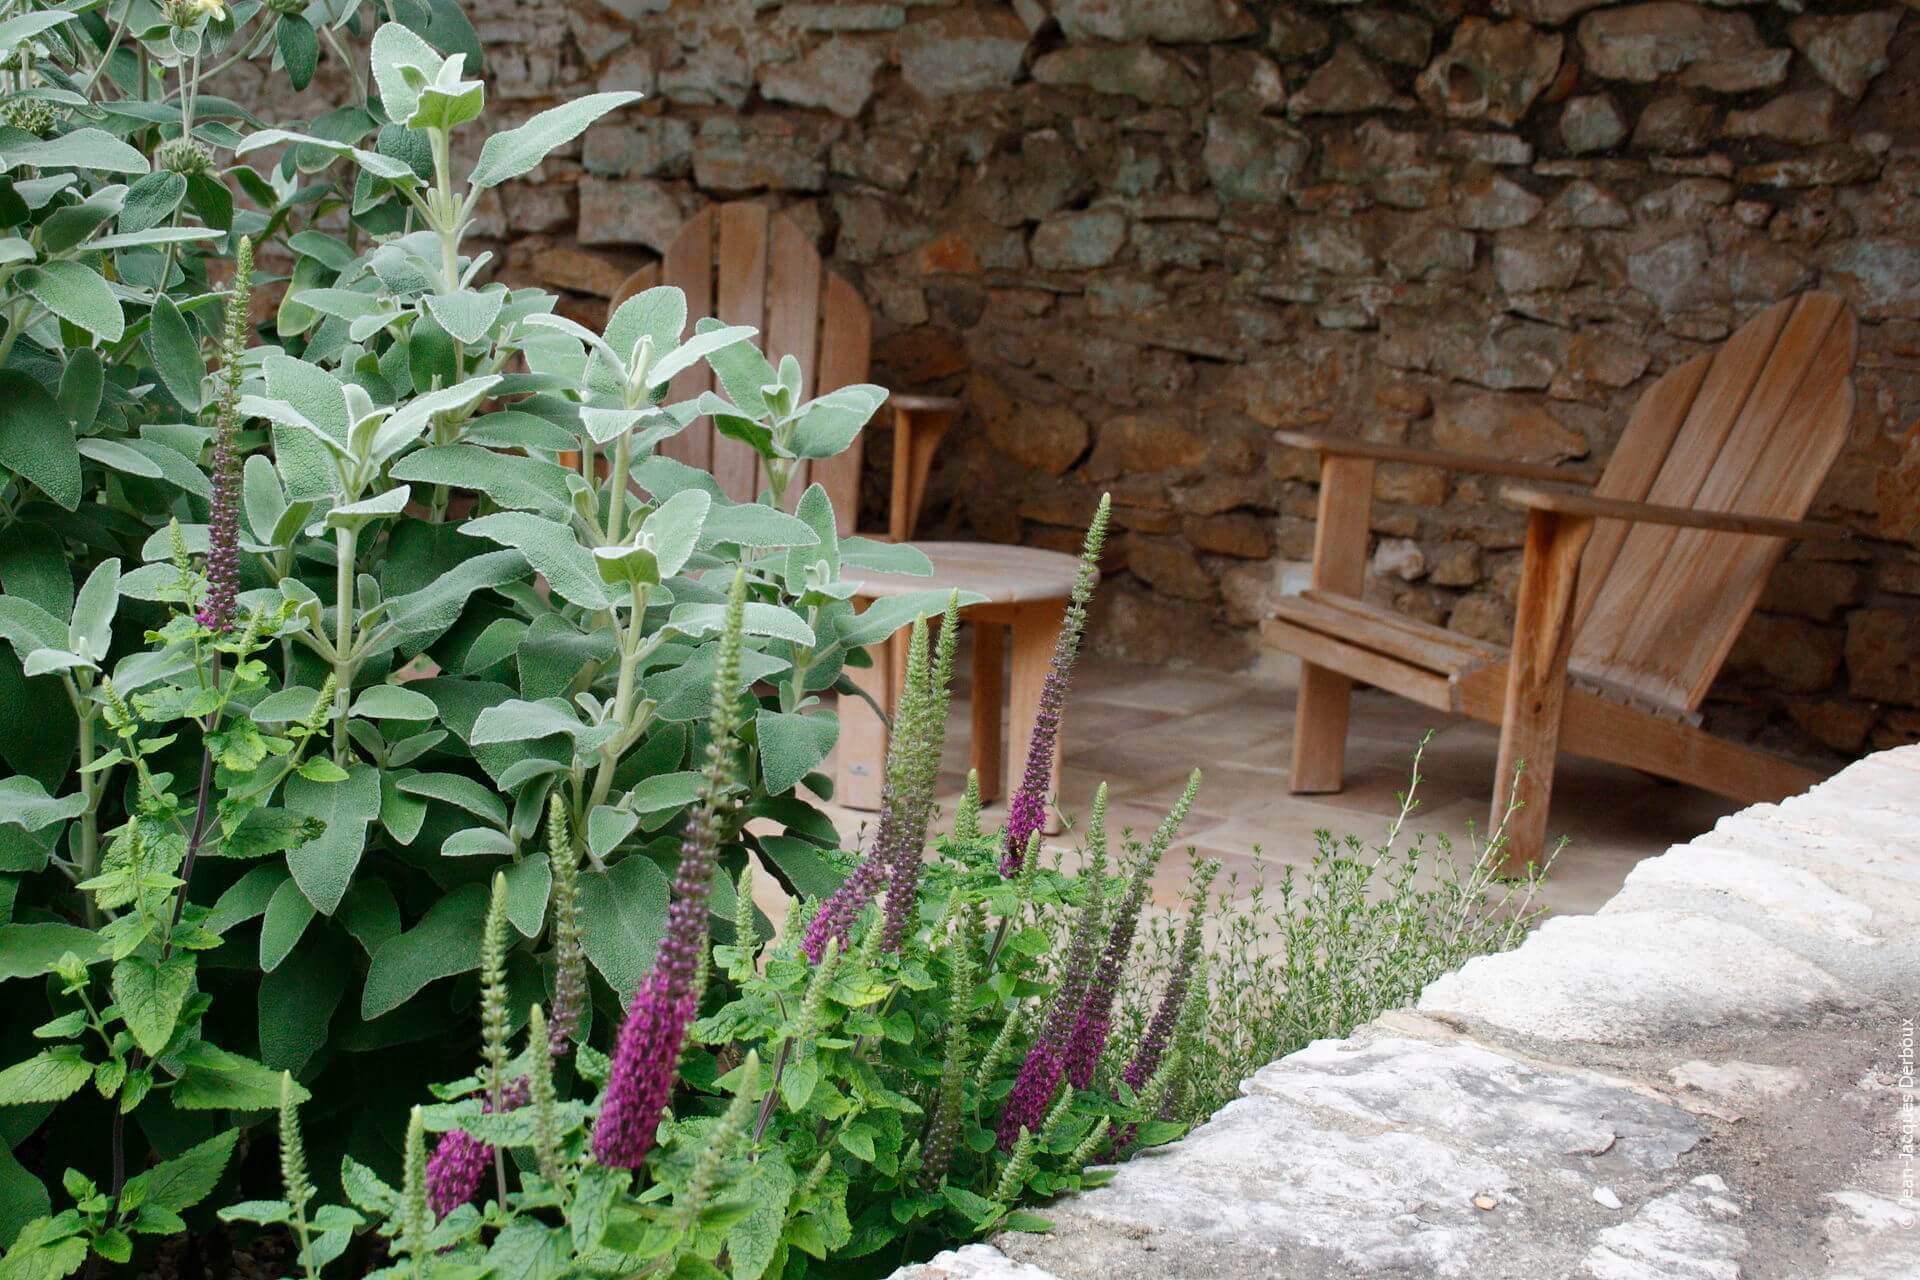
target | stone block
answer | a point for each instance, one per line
(1163, 21)
(1048, 438)
(1883, 660)
(1536, 261)
(641, 211)
(1254, 161)
(1139, 71)
(1701, 47)
(1846, 50)
(836, 75)
(1491, 71)
(1517, 427)
(962, 51)
(1079, 241)
(1347, 83)
(1591, 123)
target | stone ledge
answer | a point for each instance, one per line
(1698, 1081)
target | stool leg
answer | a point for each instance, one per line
(1035, 629)
(862, 748)
(988, 756)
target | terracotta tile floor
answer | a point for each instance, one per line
(1141, 729)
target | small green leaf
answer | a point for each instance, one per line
(187, 1179)
(151, 994)
(393, 702)
(49, 1076)
(176, 354)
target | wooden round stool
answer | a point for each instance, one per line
(1026, 592)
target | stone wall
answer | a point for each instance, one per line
(1140, 235)
(1707, 1079)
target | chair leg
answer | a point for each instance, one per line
(1034, 629)
(988, 754)
(1320, 731)
(862, 749)
(1537, 684)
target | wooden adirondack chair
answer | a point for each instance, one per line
(743, 265)
(1630, 596)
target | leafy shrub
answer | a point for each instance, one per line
(359, 604)
(1360, 931)
(914, 1058)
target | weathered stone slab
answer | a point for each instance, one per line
(1639, 976)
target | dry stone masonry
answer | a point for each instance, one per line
(1703, 1081)
(1140, 235)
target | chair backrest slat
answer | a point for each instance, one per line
(743, 265)
(1662, 607)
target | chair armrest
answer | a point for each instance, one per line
(917, 405)
(1340, 446)
(1573, 503)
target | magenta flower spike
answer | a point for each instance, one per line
(1027, 811)
(646, 1055)
(459, 1160)
(1089, 1038)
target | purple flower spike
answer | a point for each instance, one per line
(1027, 811)
(834, 920)
(647, 1052)
(460, 1160)
(1032, 1094)
(223, 524)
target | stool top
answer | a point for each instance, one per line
(1004, 575)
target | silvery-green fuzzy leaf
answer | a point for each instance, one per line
(90, 634)
(459, 790)
(517, 429)
(38, 440)
(527, 484)
(607, 827)
(890, 613)
(627, 565)
(449, 101)
(658, 314)
(704, 343)
(467, 315)
(348, 304)
(285, 705)
(385, 168)
(508, 155)
(529, 884)
(176, 467)
(25, 803)
(792, 746)
(552, 550)
(286, 919)
(46, 661)
(516, 721)
(413, 418)
(757, 619)
(477, 842)
(743, 370)
(14, 249)
(72, 291)
(393, 702)
(18, 30)
(176, 353)
(355, 515)
(608, 425)
(828, 425)
(438, 605)
(150, 666)
(623, 914)
(395, 52)
(260, 493)
(885, 557)
(672, 530)
(152, 200)
(87, 148)
(152, 236)
(748, 524)
(119, 457)
(445, 943)
(580, 333)
(324, 866)
(156, 581)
